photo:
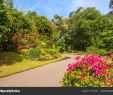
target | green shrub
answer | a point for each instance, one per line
(102, 52)
(45, 57)
(34, 53)
(24, 51)
(88, 71)
(95, 50)
(49, 54)
(92, 49)
(54, 53)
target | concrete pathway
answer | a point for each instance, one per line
(46, 76)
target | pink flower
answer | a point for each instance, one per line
(95, 63)
(98, 72)
(80, 63)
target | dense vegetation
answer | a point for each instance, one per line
(34, 35)
(92, 32)
(89, 71)
(27, 33)
(28, 40)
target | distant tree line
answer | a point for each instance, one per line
(84, 28)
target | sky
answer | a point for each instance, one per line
(49, 8)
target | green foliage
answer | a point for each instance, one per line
(49, 54)
(59, 42)
(81, 32)
(8, 4)
(2, 4)
(84, 28)
(102, 52)
(89, 28)
(106, 40)
(96, 51)
(54, 53)
(34, 53)
(45, 57)
(92, 50)
(73, 13)
(21, 31)
(44, 26)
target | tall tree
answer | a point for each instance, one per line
(81, 32)
(8, 4)
(111, 6)
(75, 12)
(1, 4)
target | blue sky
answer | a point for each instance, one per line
(49, 8)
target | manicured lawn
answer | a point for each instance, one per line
(11, 63)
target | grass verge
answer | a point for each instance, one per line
(15, 64)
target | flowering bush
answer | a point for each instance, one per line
(89, 71)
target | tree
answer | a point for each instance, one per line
(105, 25)
(8, 4)
(111, 4)
(2, 4)
(81, 32)
(73, 13)
(61, 29)
(111, 7)
(3, 23)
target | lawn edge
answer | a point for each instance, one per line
(52, 61)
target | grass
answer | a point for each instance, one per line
(11, 63)
(75, 53)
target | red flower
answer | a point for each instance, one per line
(84, 73)
(95, 79)
(81, 79)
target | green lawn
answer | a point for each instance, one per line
(11, 63)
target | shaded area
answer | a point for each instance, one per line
(8, 58)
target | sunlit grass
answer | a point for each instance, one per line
(15, 63)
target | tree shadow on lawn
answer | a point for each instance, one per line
(9, 58)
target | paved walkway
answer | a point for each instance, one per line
(46, 76)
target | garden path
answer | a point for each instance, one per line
(46, 76)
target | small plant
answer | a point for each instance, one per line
(54, 53)
(92, 50)
(96, 51)
(34, 53)
(24, 51)
(45, 57)
(89, 71)
(102, 52)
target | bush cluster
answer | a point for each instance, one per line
(89, 71)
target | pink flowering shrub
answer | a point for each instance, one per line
(89, 71)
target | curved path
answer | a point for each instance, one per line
(46, 76)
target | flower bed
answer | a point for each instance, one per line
(89, 71)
